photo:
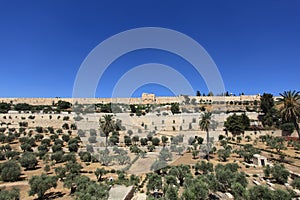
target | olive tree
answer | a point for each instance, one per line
(28, 160)
(10, 171)
(13, 194)
(40, 184)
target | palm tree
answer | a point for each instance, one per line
(107, 125)
(204, 124)
(290, 110)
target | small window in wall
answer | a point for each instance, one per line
(173, 121)
(183, 121)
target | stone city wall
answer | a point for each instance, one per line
(146, 99)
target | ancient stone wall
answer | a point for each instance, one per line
(145, 99)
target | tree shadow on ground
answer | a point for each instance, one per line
(33, 169)
(51, 196)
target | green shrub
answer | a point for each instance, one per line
(10, 171)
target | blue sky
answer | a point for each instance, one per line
(255, 44)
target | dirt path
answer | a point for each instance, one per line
(13, 184)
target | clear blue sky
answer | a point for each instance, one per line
(255, 43)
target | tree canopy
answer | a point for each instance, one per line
(205, 123)
(13, 194)
(107, 125)
(40, 184)
(290, 109)
(237, 124)
(10, 171)
(28, 160)
(175, 108)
